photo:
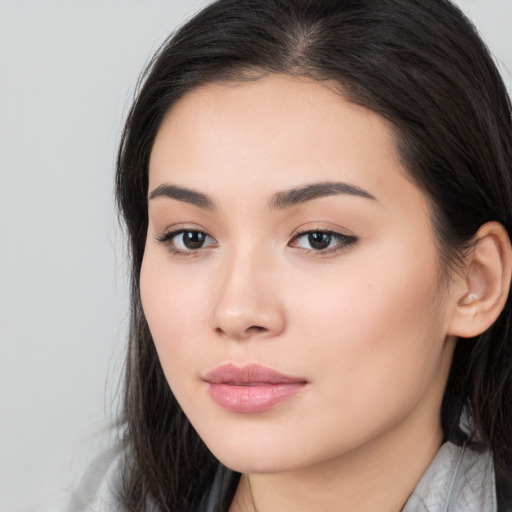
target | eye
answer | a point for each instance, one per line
(186, 241)
(322, 241)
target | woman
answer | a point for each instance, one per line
(318, 200)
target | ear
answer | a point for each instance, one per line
(485, 283)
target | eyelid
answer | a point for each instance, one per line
(323, 226)
(180, 227)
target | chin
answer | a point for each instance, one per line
(249, 463)
(258, 456)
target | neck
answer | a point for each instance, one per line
(380, 475)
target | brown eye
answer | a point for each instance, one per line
(319, 240)
(192, 239)
(186, 241)
(322, 241)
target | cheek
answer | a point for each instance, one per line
(377, 330)
(174, 308)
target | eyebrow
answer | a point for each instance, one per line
(312, 191)
(280, 200)
(185, 195)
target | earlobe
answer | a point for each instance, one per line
(486, 282)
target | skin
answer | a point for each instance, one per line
(366, 324)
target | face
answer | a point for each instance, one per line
(290, 278)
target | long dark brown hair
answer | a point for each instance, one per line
(421, 65)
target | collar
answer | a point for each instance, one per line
(459, 479)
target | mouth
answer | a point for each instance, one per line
(252, 388)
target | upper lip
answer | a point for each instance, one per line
(248, 374)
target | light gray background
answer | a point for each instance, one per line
(67, 73)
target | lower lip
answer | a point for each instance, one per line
(252, 399)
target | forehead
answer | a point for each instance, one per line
(275, 133)
(272, 105)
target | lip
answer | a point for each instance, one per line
(251, 388)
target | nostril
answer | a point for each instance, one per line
(254, 329)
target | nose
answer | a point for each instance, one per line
(247, 299)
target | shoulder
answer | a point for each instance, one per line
(99, 487)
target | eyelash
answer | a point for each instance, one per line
(341, 242)
(167, 239)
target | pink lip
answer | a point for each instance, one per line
(251, 388)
